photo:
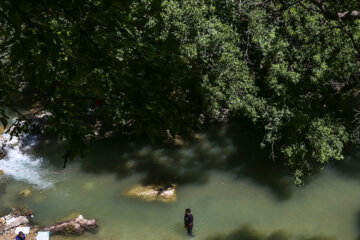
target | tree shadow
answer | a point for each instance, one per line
(234, 148)
(350, 166)
(357, 223)
(249, 233)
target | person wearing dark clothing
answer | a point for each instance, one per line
(189, 222)
(20, 236)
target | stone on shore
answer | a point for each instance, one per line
(153, 193)
(9, 222)
(15, 222)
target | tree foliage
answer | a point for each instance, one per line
(151, 66)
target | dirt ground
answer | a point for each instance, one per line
(10, 235)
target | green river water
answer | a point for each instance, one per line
(233, 189)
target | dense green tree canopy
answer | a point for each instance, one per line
(152, 66)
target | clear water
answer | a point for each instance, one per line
(233, 188)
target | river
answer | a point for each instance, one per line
(234, 190)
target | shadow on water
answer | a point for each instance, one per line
(357, 223)
(350, 165)
(248, 233)
(234, 148)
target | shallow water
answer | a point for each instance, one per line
(223, 177)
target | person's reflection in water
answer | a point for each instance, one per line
(189, 222)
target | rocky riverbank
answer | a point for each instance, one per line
(22, 218)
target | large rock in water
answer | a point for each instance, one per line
(72, 226)
(153, 193)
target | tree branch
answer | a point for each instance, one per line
(347, 15)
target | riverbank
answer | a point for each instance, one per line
(22, 218)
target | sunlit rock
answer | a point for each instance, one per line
(3, 141)
(15, 222)
(177, 139)
(24, 193)
(39, 198)
(1, 172)
(72, 226)
(198, 136)
(13, 142)
(153, 193)
(2, 221)
(89, 186)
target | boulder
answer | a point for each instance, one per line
(72, 226)
(15, 222)
(153, 193)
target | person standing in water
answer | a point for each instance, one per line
(189, 222)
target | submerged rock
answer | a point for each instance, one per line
(70, 216)
(153, 193)
(39, 198)
(89, 186)
(24, 193)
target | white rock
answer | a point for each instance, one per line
(14, 222)
(151, 193)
